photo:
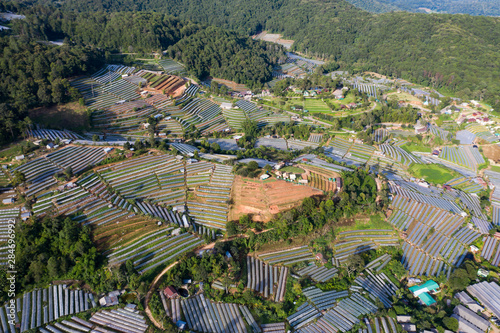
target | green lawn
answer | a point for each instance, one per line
(410, 147)
(292, 169)
(315, 105)
(433, 173)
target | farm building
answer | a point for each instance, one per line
(170, 292)
(423, 291)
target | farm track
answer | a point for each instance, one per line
(151, 290)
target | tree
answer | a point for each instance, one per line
(451, 323)
(250, 128)
(53, 268)
(19, 178)
(232, 228)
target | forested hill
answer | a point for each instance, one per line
(477, 7)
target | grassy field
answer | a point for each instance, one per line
(433, 173)
(410, 147)
(292, 169)
(315, 105)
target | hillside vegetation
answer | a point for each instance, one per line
(454, 53)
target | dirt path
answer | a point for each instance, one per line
(151, 290)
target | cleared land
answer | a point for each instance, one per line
(265, 198)
(71, 116)
(492, 152)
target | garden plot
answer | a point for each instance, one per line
(323, 300)
(491, 250)
(319, 274)
(482, 132)
(320, 182)
(439, 132)
(315, 105)
(43, 306)
(266, 279)
(360, 152)
(292, 69)
(358, 241)
(398, 154)
(205, 316)
(287, 257)
(7, 217)
(172, 67)
(466, 156)
(342, 317)
(52, 135)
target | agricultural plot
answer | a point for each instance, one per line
(299, 145)
(380, 134)
(271, 143)
(435, 242)
(481, 132)
(154, 249)
(291, 69)
(52, 135)
(259, 115)
(358, 241)
(123, 320)
(378, 286)
(439, 132)
(323, 300)
(39, 172)
(125, 117)
(43, 306)
(342, 317)
(8, 218)
(488, 294)
(315, 105)
(379, 263)
(234, 117)
(436, 197)
(465, 137)
(287, 257)
(360, 152)
(205, 316)
(491, 250)
(205, 115)
(466, 184)
(340, 146)
(399, 154)
(172, 67)
(213, 211)
(316, 138)
(319, 274)
(494, 178)
(266, 279)
(316, 162)
(466, 156)
(320, 182)
(225, 144)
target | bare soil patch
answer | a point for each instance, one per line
(263, 199)
(492, 152)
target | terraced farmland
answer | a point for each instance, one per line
(358, 241)
(466, 156)
(287, 257)
(266, 279)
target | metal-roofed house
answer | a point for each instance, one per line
(423, 291)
